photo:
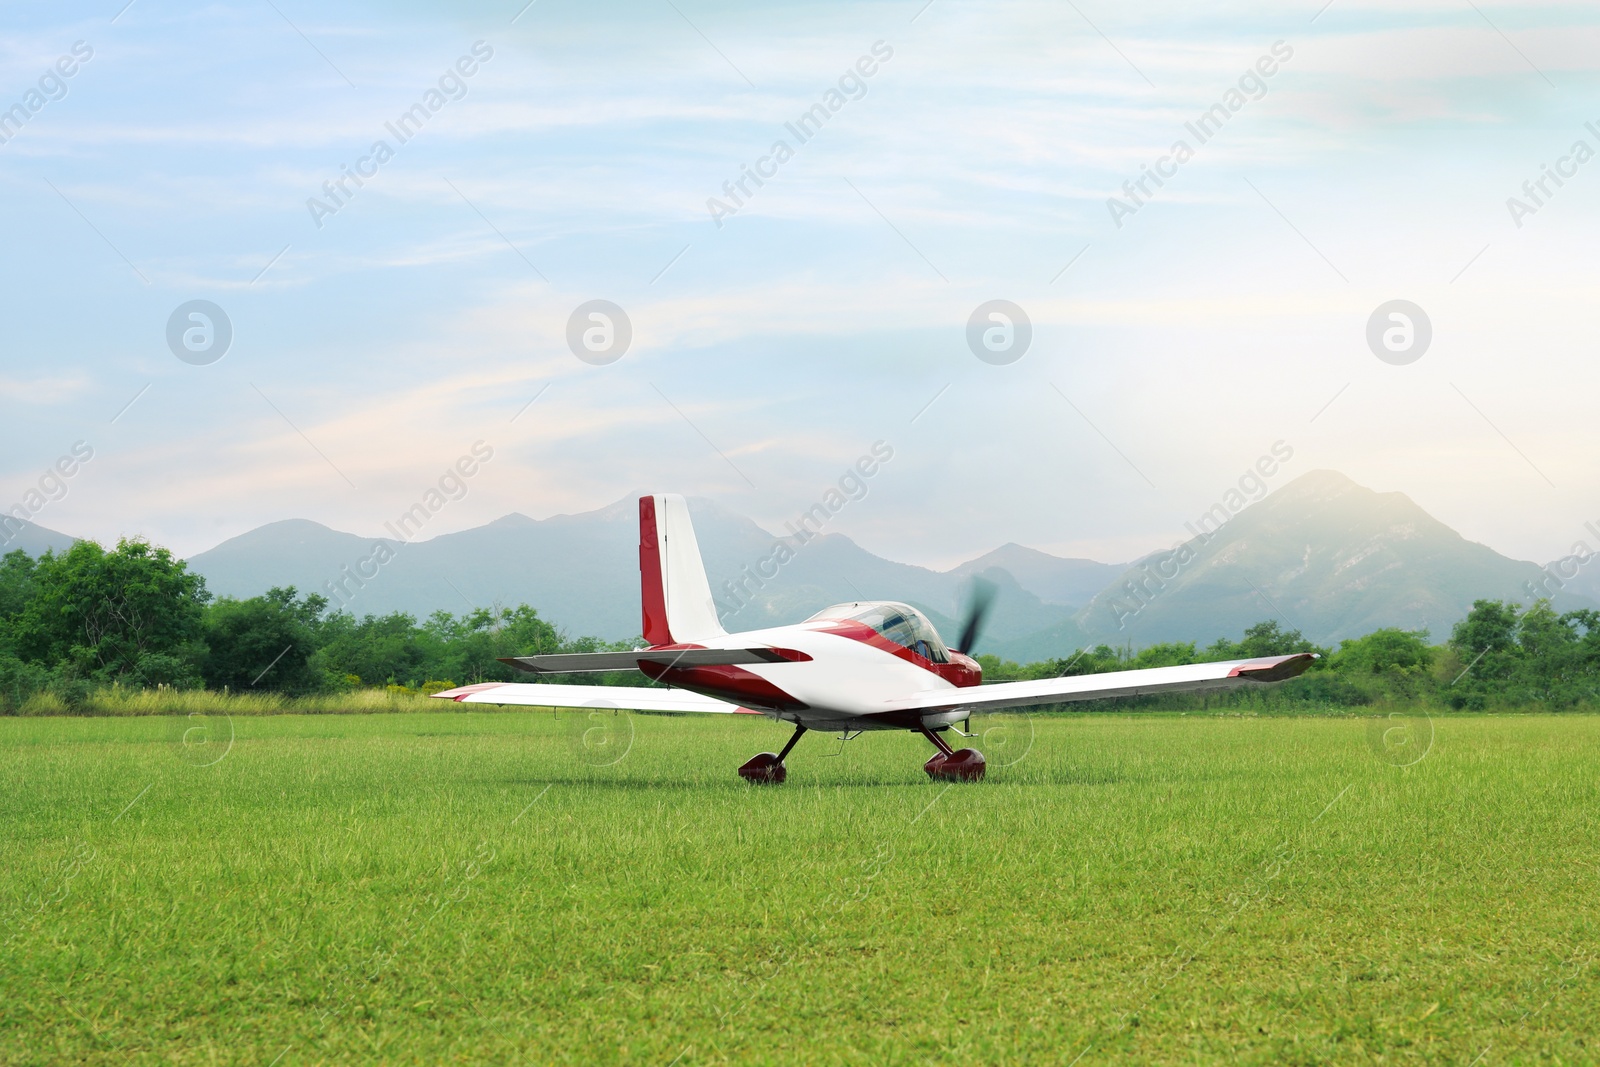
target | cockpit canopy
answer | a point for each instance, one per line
(900, 623)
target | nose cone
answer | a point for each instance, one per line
(967, 671)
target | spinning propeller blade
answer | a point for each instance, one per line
(982, 598)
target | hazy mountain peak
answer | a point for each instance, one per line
(1053, 579)
(1323, 480)
(510, 520)
(283, 531)
(1323, 554)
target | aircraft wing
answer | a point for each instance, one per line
(573, 662)
(633, 698)
(1190, 677)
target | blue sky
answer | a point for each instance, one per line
(1229, 312)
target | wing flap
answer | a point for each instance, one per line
(1191, 677)
(632, 698)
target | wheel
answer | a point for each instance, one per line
(962, 765)
(765, 768)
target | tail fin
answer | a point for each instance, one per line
(673, 589)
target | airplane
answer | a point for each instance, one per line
(866, 665)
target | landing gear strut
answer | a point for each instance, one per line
(963, 765)
(766, 768)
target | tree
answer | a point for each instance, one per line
(379, 649)
(1535, 657)
(1096, 660)
(103, 614)
(1265, 638)
(265, 642)
(1491, 626)
(16, 583)
(475, 643)
(18, 680)
(1385, 651)
(1172, 654)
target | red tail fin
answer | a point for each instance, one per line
(652, 586)
(674, 593)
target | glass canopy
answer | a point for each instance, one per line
(900, 623)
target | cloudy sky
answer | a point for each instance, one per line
(381, 331)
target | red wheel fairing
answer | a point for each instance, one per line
(962, 765)
(764, 769)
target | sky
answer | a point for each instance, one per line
(964, 154)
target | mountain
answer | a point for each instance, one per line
(300, 550)
(1578, 572)
(1324, 555)
(575, 569)
(582, 572)
(1050, 578)
(1585, 583)
(30, 537)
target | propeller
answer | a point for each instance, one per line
(978, 605)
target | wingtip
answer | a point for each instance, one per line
(1275, 668)
(462, 692)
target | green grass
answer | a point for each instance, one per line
(121, 700)
(463, 886)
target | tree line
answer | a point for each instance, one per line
(135, 616)
(1501, 656)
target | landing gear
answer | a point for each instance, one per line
(766, 768)
(963, 765)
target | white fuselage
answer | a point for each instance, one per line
(847, 683)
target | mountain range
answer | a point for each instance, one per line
(1321, 554)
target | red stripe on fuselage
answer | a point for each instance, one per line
(962, 670)
(733, 684)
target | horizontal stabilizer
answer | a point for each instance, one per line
(578, 662)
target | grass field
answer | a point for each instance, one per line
(504, 887)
